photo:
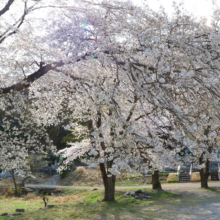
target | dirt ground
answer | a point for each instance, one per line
(194, 204)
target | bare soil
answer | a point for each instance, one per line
(194, 204)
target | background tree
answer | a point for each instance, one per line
(20, 137)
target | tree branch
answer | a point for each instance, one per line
(25, 83)
(7, 6)
(19, 22)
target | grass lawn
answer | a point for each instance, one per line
(80, 204)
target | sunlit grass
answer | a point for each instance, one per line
(79, 204)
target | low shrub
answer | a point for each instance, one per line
(9, 191)
(65, 173)
(6, 187)
(81, 170)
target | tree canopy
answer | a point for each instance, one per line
(142, 81)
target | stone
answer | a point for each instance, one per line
(139, 195)
(4, 214)
(132, 194)
(50, 206)
(17, 214)
(19, 210)
(138, 191)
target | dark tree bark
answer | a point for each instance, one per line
(109, 184)
(23, 181)
(17, 191)
(204, 175)
(43, 70)
(6, 8)
(155, 180)
(17, 24)
(45, 199)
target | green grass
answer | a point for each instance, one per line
(9, 206)
(80, 204)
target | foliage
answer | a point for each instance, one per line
(65, 173)
(9, 191)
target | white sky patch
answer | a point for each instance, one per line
(198, 8)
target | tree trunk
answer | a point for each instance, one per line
(155, 180)
(17, 193)
(109, 184)
(110, 189)
(204, 175)
(23, 181)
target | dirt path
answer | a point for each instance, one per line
(194, 204)
(164, 186)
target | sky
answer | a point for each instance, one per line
(199, 8)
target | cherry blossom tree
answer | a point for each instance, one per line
(122, 138)
(21, 134)
(133, 74)
(20, 137)
(171, 64)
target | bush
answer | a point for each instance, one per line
(4, 187)
(9, 191)
(64, 173)
(81, 170)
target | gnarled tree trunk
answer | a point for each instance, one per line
(155, 180)
(109, 184)
(204, 175)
